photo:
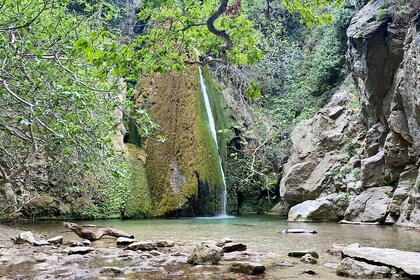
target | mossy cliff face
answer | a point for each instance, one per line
(183, 172)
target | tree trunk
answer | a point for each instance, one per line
(93, 236)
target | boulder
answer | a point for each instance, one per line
(231, 247)
(204, 255)
(142, 246)
(248, 268)
(370, 206)
(357, 269)
(299, 254)
(125, 241)
(308, 258)
(24, 237)
(79, 250)
(329, 208)
(74, 243)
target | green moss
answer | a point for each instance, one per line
(138, 203)
(182, 172)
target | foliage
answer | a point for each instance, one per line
(177, 35)
(60, 89)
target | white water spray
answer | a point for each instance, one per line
(214, 135)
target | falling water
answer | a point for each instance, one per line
(214, 135)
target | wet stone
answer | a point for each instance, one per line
(232, 247)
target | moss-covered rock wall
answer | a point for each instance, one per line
(182, 172)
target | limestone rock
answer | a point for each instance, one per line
(204, 255)
(299, 254)
(142, 246)
(248, 268)
(352, 268)
(402, 260)
(370, 206)
(330, 208)
(308, 258)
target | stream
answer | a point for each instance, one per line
(259, 233)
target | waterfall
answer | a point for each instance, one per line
(214, 136)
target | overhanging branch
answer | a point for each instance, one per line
(220, 33)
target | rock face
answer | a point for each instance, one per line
(370, 155)
(323, 162)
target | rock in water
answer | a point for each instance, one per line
(204, 255)
(56, 240)
(24, 237)
(309, 272)
(232, 247)
(80, 250)
(248, 268)
(142, 245)
(298, 230)
(299, 254)
(125, 241)
(308, 259)
(352, 268)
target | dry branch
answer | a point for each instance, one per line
(93, 236)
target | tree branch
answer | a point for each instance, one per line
(27, 24)
(220, 33)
